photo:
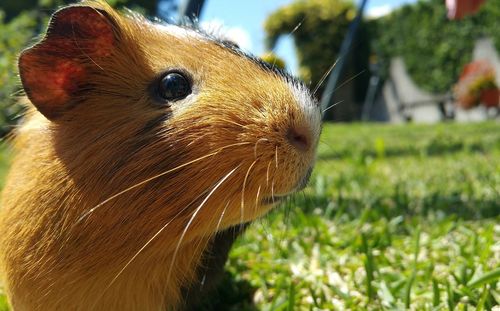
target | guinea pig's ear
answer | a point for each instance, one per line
(57, 68)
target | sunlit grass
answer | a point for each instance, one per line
(396, 217)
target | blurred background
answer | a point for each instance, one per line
(403, 210)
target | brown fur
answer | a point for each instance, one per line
(59, 253)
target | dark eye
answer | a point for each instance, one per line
(174, 86)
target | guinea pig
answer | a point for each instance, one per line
(141, 143)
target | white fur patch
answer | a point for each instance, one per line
(180, 32)
(310, 108)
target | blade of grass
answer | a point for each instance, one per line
(482, 299)
(409, 284)
(436, 296)
(369, 268)
(291, 297)
(451, 297)
(488, 277)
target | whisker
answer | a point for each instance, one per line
(256, 143)
(84, 215)
(221, 216)
(19, 92)
(333, 105)
(145, 245)
(345, 82)
(195, 213)
(323, 78)
(326, 143)
(288, 36)
(199, 244)
(297, 27)
(267, 173)
(349, 80)
(198, 138)
(256, 201)
(243, 192)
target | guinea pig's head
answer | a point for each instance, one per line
(192, 121)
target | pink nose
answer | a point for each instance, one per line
(300, 138)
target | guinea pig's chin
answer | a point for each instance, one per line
(278, 198)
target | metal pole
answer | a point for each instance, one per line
(191, 8)
(371, 95)
(333, 80)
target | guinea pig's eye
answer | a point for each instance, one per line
(174, 86)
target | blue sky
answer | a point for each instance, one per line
(246, 19)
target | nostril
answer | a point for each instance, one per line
(298, 138)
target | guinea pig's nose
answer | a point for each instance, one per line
(299, 137)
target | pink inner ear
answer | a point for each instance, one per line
(57, 68)
(53, 90)
(86, 28)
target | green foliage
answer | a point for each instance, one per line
(434, 48)
(396, 218)
(318, 28)
(274, 60)
(14, 36)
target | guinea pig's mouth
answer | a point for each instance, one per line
(278, 198)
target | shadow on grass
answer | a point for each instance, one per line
(435, 204)
(215, 288)
(230, 295)
(434, 148)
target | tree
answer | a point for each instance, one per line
(14, 35)
(318, 28)
(434, 48)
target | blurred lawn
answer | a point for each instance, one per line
(396, 217)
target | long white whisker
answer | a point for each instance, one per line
(267, 173)
(345, 82)
(323, 78)
(255, 147)
(195, 213)
(146, 245)
(221, 216)
(288, 36)
(256, 200)
(202, 282)
(349, 80)
(243, 192)
(155, 177)
(297, 27)
(257, 196)
(331, 106)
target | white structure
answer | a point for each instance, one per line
(400, 99)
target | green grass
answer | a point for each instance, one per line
(396, 217)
